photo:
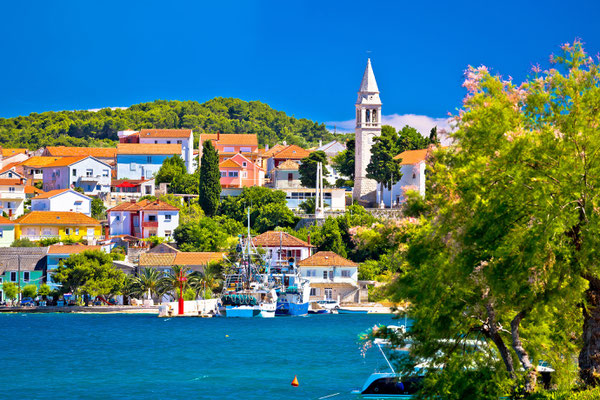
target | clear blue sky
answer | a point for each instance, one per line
(304, 58)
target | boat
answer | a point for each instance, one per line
(293, 291)
(247, 292)
(351, 311)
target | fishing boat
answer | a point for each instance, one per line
(247, 291)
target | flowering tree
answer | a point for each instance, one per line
(508, 248)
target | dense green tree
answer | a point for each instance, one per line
(329, 237)
(23, 242)
(308, 169)
(29, 291)
(272, 216)
(10, 290)
(185, 183)
(98, 208)
(410, 139)
(90, 272)
(344, 161)
(171, 168)
(207, 234)
(210, 179)
(44, 290)
(383, 167)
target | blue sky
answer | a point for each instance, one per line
(304, 58)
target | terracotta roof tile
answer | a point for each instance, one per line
(10, 182)
(326, 259)
(52, 193)
(156, 259)
(273, 150)
(12, 152)
(148, 148)
(4, 220)
(197, 258)
(239, 139)
(274, 238)
(165, 133)
(29, 189)
(145, 205)
(229, 163)
(292, 152)
(288, 165)
(412, 156)
(71, 248)
(10, 166)
(56, 218)
(98, 152)
(64, 161)
(38, 161)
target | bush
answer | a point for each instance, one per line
(575, 394)
(29, 291)
(189, 294)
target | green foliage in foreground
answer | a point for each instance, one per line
(10, 290)
(29, 291)
(228, 115)
(576, 394)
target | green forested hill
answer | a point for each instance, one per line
(228, 115)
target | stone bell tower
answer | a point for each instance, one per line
(368, 126)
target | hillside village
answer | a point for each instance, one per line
(58, 201)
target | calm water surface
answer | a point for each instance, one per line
(81, 356)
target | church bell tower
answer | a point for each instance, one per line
(368, 126)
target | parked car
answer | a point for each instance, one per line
(27, 302)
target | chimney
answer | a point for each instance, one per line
(267, 147)
(308, 239)
(142, 177)
(132, 201)
(218, 135)
(320, 143)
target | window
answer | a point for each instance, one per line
(67, 231)
(223, 174)
(244, 174)
(331, 275)
(89, 172)
(167, 233)
(149, 159)
(229, 149)
(290, 177)
(118, 218)
(13, 276)
(74, 172)
(78, 203)
(132, 166)
(168, 218)
(244, 164)
(233, 174)
(77, 231)
(414, 175)
(26, 276)
(105, 173)
(324, 274)
(179, 142)
(245, 149)
(1, 233)
(313, 291)
(156, 142)
(151, 217)
(328, 293)
(345, 273)
(311, 272)
(98, 187)
(148, 189)
(11, 189)
(10, 174)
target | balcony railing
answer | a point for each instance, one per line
(150, 224)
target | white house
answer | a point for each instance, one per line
(183, 137)
(10, 172)
(143, 219)
(331, 277)
(62, 200)
(412, 167)
(141, 161)
(12, 197)
(334, 199)
(282, 245)
(86, 172)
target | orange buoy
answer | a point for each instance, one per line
(295, 381)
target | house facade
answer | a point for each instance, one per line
(30, 261)
(334, 199)
(238, 172)
(143, 219)
(231, 144)
(281, 246)
(63, 225)
(331, 277)
(32, 167)
(286, 176)
(7, 232)
(142, 161)
(58, 253)
(12, 197)
(122, 190)
(62, 200)
(291, 152)
(412, 167)
(85, 172)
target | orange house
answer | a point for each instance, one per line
(231, 144)
(238, 171)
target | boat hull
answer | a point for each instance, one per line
(348, 311)
(285, 308)
(242, 311)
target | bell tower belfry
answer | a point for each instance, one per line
(368, 126)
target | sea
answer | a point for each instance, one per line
(141, 356)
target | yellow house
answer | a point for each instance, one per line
(57, 224)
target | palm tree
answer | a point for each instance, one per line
(210, 280)
(170, 282)
(148, 282)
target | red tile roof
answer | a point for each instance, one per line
(292, 152)
(165, 133)
(273, 150)
(12, 152)
(30, 189)
(64, 161)
(145, 205)
(11, 182)
(10, 166)
(98, 152)
(197, 258)
(52, 193)
(229, 163)
(275, 238)
(5, 221)
(233, 139)
(412, 156)
(56, 218)
(70, 249)
(148, 148)
(38, 161)
(326, 259)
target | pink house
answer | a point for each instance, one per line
(238, 171)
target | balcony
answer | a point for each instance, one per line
(150, 224)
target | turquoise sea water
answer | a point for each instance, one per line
(94, 356)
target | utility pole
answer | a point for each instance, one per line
(19, 276)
